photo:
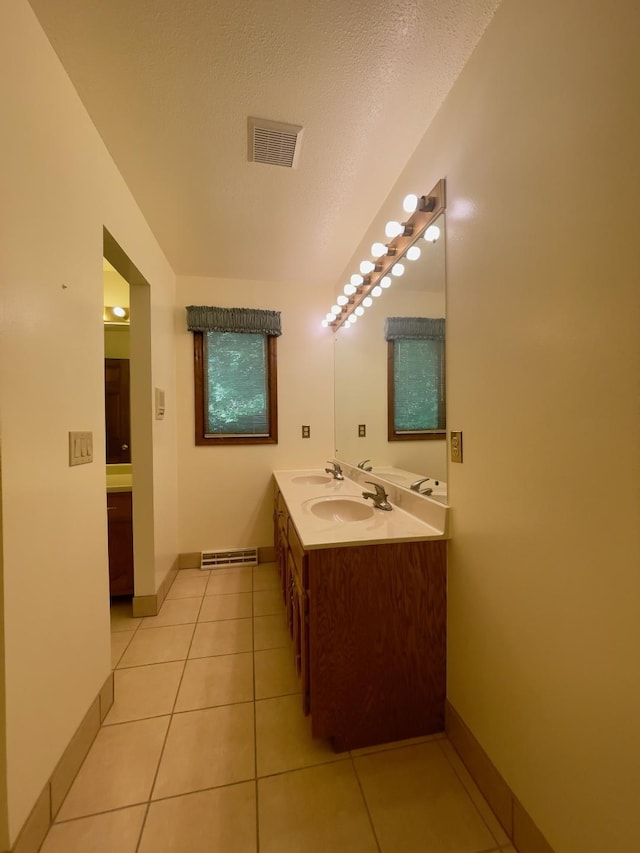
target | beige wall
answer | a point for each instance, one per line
(539, 144)
(226, 494)
(59, 188)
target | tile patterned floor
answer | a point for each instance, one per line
(206, 749)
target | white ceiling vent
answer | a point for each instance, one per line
(274, 142)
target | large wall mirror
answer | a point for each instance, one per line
(361, 377)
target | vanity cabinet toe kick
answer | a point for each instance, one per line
(368, 625)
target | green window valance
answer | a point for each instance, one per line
(414, 328)
(207, 318)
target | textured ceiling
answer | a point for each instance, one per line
(170, 86)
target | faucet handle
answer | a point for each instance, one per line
(336, 470)
(416, 485)
(363, 463)
(380, 492)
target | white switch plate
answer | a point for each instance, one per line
(159, 403)
(80, 448)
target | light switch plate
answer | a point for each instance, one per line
(456, 445)
(159, 403)
(80, 448)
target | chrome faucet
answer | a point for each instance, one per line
(336, 471)
(363, 464)
(416, 486)
(379, 497)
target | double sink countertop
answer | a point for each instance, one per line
(355, 520)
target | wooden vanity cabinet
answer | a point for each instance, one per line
(120, 539)
(293, 576)
(369, 632)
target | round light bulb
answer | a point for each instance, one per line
(432, 233)
(353, 319)
(324, 323)
(356, 279)
(335, 309)
(393, 229)
(366, 267)
(342, 300)
(397, 270)
(378, 250)
(413, 253)
(385, 281)
(376, 291)
(331, 317)
(359, 311)
(349, 289)
(410, 203)
(367, 302)
(118, 311)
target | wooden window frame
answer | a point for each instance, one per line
(202, 438)
(392, 435)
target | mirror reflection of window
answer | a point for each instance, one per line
(416, 378)
(361, 368)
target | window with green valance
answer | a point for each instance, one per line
(235, 374)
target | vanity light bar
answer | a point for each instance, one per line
(428, 209)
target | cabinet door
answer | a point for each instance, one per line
(280, 519)
(120, 532)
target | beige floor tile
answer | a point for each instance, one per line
(174, 611)
(144, 691)
(191, 574)
(315, 810)
(267, 601)
(266, 576)
(474, 792)
(270, 632)
(104, 833)
(206, 749)
(397, 744)
(119, 642)
(230, 570)
(275, 673)
(221, 680)
(187, 587)
(121, 616)
(227, 637)
(118, 770)
(283, 737)
(223, 819)
(158, 645)
(237, 580)
(417, 803)
(235, 605)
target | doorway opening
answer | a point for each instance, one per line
(128, 425)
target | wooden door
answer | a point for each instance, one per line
(117, 410)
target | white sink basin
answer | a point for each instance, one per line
(340, 509)
(311, 479)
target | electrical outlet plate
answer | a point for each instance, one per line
(80, 448)
(362, 430)
(456, 445)
(306, 431)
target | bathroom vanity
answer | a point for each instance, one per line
(365, 597)
(120, 531)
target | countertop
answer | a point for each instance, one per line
(427, 519)
(118, 483)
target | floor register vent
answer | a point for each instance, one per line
(233, 557)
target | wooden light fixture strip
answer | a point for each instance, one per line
(429, 209)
